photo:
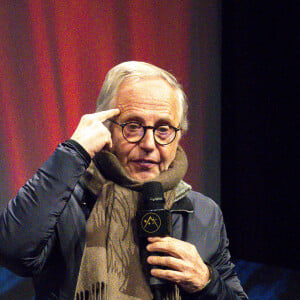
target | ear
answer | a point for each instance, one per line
(179, 135)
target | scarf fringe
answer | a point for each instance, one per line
(97, 291)
(173, 293)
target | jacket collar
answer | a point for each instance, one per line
(183, 205)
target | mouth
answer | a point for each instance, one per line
(145, 163)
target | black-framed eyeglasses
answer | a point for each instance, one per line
(134, 132)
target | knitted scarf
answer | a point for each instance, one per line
(111, 266)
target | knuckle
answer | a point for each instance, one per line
(169, 244)
(193, 247)
(85, 117)
(168, 260)
(168, 274)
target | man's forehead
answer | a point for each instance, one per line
(148, 99)
(147, 90)
(139, 108)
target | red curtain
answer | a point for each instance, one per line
(53, 59)
(54, 56)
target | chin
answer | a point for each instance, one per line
(143, 177)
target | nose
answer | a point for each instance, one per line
(148, 143)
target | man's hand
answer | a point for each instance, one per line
(91, 134)
(184, 264)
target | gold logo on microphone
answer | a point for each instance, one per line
(151, 222)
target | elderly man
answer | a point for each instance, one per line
(73, 226)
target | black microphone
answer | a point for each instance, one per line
(153, 220)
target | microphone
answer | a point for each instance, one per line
(153, 220)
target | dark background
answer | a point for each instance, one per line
(260, 130)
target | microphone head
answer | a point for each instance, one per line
(153, 218)
(153, 191)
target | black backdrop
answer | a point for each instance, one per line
(260, 130)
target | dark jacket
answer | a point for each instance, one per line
(42, 230)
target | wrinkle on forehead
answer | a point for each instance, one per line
(142, 104)
(150, 96)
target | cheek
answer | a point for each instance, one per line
(116, 142)
(121, 149)
(168, 155)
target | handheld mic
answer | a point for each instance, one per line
(153, 220)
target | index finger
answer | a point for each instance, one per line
(166, 244)
(106, 114)
(153, 239)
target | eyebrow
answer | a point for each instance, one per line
(141, 120)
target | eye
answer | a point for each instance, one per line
(163, 130)
(132, 127)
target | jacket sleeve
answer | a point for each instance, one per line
(28, 223)
(224, 282)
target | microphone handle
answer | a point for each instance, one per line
(155, 281)
(153, 220)
(157, 285)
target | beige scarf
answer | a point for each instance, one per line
(111, 267)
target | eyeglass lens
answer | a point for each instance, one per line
(134, 132)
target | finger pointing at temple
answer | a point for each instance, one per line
(91, 134)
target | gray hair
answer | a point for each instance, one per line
(135, 69)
